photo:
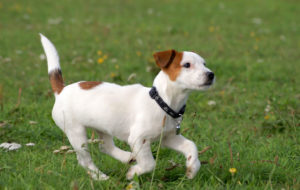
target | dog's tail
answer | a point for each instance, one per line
(54, 70)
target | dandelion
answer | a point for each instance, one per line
(267, 117)
(16, 7)
(222, 93)
(99, 52)
(185, 33)
(252, 34)
(116, 66)
(138, 53)
(129, 186)
(232, 170)
(113, 75)
(28, 10)
(150, 60)
(255, 47)
(132, 185)
(100, 60)
(104, 56)
(211, 29)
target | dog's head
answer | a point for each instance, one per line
(187, 69)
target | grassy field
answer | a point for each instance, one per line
(248, 121)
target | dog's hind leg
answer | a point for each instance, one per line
(108, 147)
(77, 137)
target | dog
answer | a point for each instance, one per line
(135, 114)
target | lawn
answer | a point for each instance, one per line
(248, 121)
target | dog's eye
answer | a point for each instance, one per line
(187, 65)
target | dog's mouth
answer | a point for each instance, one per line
(207, 84)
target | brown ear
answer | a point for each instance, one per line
(164, 58)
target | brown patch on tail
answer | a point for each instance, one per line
(89, 84)
(56, 81)
(169, 62)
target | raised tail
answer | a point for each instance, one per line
(54, 70)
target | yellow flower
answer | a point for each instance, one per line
(1, 5)
(16, 7)
(267, 117)
(105, 56)
(211, 29)
(252, 34)
(232, 170)
(138, 53)
(117, 66)
(100, 60)
(99, 52)
(29, 10)
(255, 47)
(112, 75)
(129, 186)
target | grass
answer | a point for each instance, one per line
(252, 46)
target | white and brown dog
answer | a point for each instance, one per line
(129, 112)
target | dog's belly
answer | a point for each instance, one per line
(108, 108)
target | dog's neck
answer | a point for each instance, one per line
(174, 95)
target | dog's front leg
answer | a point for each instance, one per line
(141, 151)
(188, 148)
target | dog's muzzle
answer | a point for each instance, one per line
(210, 76)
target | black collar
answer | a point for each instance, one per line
(154, 95)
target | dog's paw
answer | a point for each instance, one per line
(132, 171)
(98, 176)
(193, 167)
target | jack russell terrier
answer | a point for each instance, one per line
(135, 114)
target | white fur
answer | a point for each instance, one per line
(51, 54)
(128, 113)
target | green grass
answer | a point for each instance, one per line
(252, 46)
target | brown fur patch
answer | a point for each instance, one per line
(89, 84)
(56, 81)
(189, 158)
(169, 62)
(131, 160)
(144, 141)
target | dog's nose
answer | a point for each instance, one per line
(210, 75)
